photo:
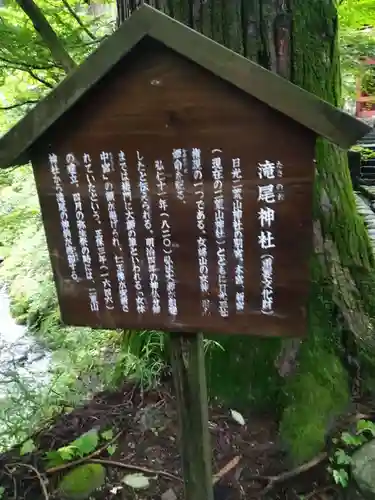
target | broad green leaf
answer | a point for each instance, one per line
(107, 435)
(136, 481)
(67, 453)
(27, 447)
(366, 425)
(2, 491)
(53, 459)
(342, 458)
(351, 440)
(86, 443)
(111, 449)
(341, 477)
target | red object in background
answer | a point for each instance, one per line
(365, 103)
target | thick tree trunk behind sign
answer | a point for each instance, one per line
(308, 381)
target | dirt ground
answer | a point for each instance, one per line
(149, 430)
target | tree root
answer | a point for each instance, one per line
(38, 475)
(285, 476)
(319, 491)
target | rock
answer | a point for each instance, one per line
(150, 418)
(169, 495)
(363, 469)
(352, 493)
(82, 481)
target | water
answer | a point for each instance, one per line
(20, 355)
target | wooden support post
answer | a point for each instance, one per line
(190, 384)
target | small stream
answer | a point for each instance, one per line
(19, 353)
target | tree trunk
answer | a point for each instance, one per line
(299, 41)
(47, 34)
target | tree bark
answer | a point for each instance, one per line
(48, 35)
(298, 40)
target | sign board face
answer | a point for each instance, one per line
(172, 200)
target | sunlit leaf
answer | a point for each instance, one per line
(86, 443)
(342, 458)
(107, 435)
(67, 453)
(111, 449)
(27, 447)
(341, 477)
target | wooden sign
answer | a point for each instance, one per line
(175, 179)
(172, 200)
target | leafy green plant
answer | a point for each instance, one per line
(81, 447)
(345, 446)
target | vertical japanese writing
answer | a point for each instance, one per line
(117, 247)
(238, 236)
(140, 299)
(150, 240)
(268, 194)
(93, 197)
(166, 234)
(91, 183)
(219, 224)
(179, 159)
(198, 183)
(144, 192)
(82, 235)
(106, 167)
(71, 254)
(71, 166)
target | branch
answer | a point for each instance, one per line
(42, 485)
(285, 476)
(78, 19)
(26, 66)
(39, 79)
(137, 468)
(45, 30)
(227, 468)
(17, 105)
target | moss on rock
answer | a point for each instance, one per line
(82, 481)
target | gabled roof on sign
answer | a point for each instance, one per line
(281, 95)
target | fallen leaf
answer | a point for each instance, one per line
(136, 481)
(115, 490)
(237, 417)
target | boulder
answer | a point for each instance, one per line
(363, 469)
(81, 482)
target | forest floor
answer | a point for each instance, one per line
(148, 444)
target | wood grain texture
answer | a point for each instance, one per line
(155, 102)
